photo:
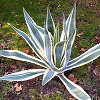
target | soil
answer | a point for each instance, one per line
(33, 89)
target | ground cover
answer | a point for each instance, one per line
(88, 34)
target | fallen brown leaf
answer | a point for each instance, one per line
(83, 50)
(18, 87)
(13, 66)
(98, 39)
(26, 51)
(72, 78)
(79, 34)
(96, 71)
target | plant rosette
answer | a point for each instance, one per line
(53, 51)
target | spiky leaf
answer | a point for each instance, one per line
(69, 26)
(74, 89)
(68, 51)
(18, 55)
(94, 48)
(35, 33)
(84, 60)
(33, 22)
(48, 49)
(31, 44)
(56, 35)
(50, 23)
(59, 53)
(23, 75)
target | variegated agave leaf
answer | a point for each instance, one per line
(69, 25)
(18, 55)
(59, 54)
(23, 75)
(48, 49)
(36, 35)
(74, 89)
(49, 22)
(56, 35)
(53, 52)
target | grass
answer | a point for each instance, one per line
(54, 97)
(88, 22)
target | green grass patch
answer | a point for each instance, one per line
(53, 97)
(88, 23)
(81, 72)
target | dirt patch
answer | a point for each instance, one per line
(33, 89)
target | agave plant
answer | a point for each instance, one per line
(53, 51)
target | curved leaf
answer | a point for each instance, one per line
(59, 52)
(84, 60)
(70, 31)
(68, 51)
(69, 26)
(50, 23)
(74, 89)
(33, 22)
(35, 33)
(56, 35)
(23, 75)
(63, 34)
(18, 55)
(31, 44)
(94, 48)
(48, 49)
(38, 48)
(72, 24)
